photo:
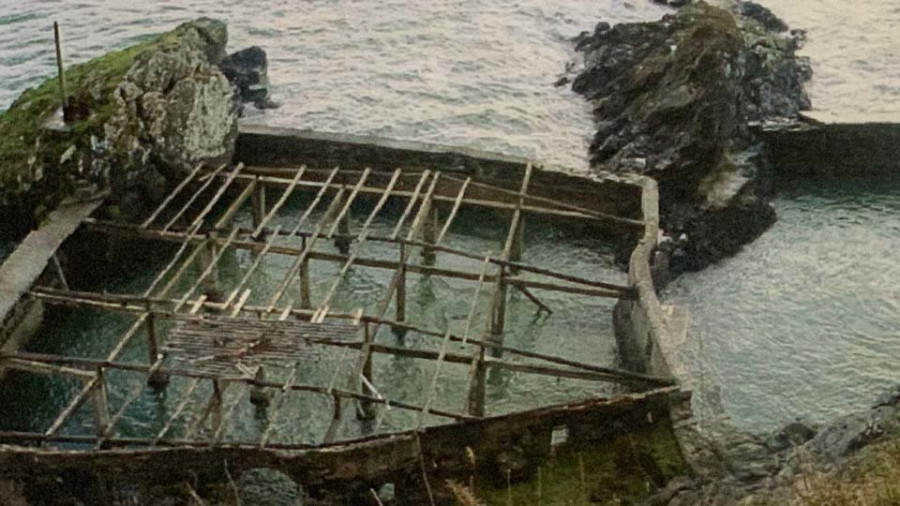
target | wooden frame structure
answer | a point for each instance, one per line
(183, 218)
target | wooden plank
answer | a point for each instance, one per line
(281, 201)
(209, 180)
(168, 200)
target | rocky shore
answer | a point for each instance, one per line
(139, 119)
(675, 100)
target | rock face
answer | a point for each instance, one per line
(674, 100)
(248, 69)
(175, 109)
(143, 115)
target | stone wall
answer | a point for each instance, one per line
(644, 340)
(848, 147)
(272, 147)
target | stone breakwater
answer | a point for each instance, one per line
(138, 119)
(675, 100)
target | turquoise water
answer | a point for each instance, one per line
(804, 321)
(433, 302)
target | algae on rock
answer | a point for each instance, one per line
(153, 109)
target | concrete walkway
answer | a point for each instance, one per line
(23, 267)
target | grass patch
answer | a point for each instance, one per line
(873, 481)
(623, 470)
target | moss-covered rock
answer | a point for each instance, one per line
(155, 108)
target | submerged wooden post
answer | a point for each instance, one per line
(260, 396)
(157, 379)
(475, 404)
(207, 258)
(429, 234)
(258, 202)
(100, 403)
(216, 406)
(401, 294)
(62, 75)
(366, 410)
(305, 299)
(518, 245)
(498, 313)
(342, 242)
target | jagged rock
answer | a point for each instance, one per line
(248, 69)
(175, 110)
(673, 100)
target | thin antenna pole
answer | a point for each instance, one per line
(62, 75)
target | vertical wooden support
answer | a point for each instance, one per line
(518, 245)
(305, 299)
(498, 313)
(100, 403)
(216, 406)
(366, 410)
(401, 294)
(208, 257)
(475, 405)
(342, 242)
(260, 396)
(429, 234)
(156, 379)
(61, 275)
(64, 96)
(258, 201)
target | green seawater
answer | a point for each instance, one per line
(805, 321)
(580, 328)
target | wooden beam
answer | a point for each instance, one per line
(209, 180)
(165, 203)
(278, 205)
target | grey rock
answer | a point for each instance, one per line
(176, 110)
(793, 434)
(851, 432)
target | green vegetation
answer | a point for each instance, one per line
(620, 471)
(873, 481)
(26, 149)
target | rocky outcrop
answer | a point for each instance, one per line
(674, 100)
(734, 467)
(141, 117)
(248, 69)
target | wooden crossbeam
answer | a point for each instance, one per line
(281, 201)
(165, 203)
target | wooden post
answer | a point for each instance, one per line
(258, 201)
(366, 410)
(157, 379)
(60, 273)
(305, 299)
(100, 403)
(401, 295)
(518, 245)
(62, 75)
(342, 243)
(216, 402)
(498, 313)
(429, 234)
(260, 396)
(475, 405)
(208, 258)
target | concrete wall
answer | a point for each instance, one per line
(844, 147)
(645, 342)
(285, 147)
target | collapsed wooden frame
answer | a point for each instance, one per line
(208, 244)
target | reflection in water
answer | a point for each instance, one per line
(803, 322)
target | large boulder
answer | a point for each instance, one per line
(248, 69)
(175, 109)
(674, 100)
(141, 117)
